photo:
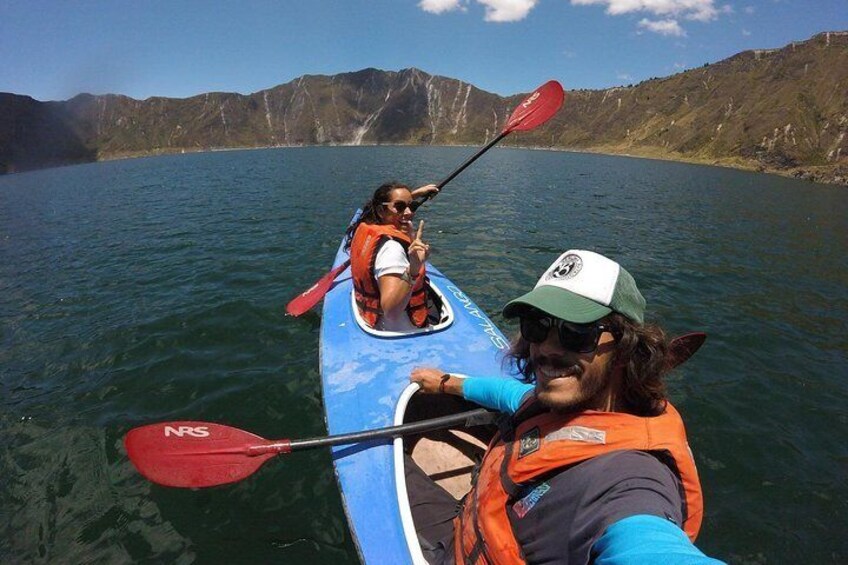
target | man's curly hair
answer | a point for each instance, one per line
(641, 350)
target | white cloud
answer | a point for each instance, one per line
(440, 6)
(663, 27)
(665, 13)
(623, 76)
(496, 10)
(507, 10)
(700, 10)
(746, 33)
(750, 9)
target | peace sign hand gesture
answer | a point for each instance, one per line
(418, 251)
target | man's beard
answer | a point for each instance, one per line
(591, 388)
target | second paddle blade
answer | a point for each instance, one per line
(537, 108)
(683, 347)
(305, 301)
(191, 454)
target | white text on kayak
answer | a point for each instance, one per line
(485, 323)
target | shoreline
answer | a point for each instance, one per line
(833, 175)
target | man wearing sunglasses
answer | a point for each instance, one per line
(592, 465)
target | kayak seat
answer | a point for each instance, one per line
(449, 457)
(435, 310)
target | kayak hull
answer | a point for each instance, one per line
(363, 379)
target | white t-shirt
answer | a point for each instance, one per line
(392, 260)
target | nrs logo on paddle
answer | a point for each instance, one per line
(526, 103)
(181, 431)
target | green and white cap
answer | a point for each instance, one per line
(582, 287)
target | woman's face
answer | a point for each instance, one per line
(396, 210)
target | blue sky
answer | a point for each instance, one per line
(52, 50)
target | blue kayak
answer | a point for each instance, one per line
(365, 380)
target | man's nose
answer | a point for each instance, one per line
(551, 343)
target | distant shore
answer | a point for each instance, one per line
(828, 174)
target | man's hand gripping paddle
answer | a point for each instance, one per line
(192, 454)
(533, 111)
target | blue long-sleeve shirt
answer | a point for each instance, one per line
(647, 540)
(633, 539)
(503, 395)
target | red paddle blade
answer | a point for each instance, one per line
(306, 300)
(684, 347)
(537, 108)
(192, 454)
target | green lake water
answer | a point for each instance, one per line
(154, 289)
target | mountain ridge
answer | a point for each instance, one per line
(775, 110)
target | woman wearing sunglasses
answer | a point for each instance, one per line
(387, 259)
(593, 465)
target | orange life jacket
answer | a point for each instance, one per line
(545, 442)
(363, 252)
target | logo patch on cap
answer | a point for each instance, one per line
(567, 268)
(529, 443)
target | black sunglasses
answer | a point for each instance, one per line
(400, 206)
(573, 337)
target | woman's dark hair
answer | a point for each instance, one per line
(371, 209)
(642, 351)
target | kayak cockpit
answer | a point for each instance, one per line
(449, 457)
(440, 315)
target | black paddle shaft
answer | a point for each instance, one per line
(473, 158)
(462, 167)
(478, 417)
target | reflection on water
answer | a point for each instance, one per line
(153, 289)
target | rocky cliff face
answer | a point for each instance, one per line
(368, 106)
(779, 110)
